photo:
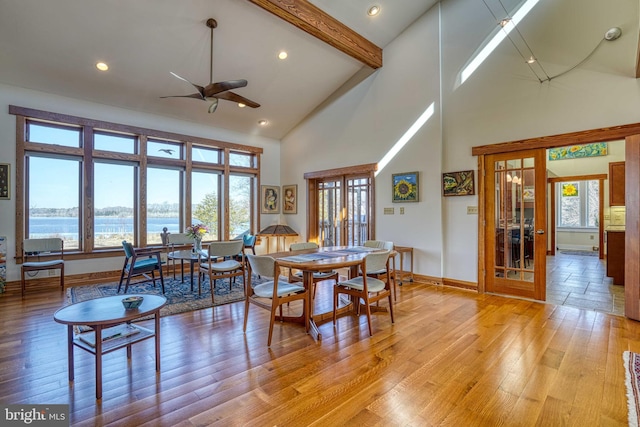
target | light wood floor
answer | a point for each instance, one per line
(452, 358)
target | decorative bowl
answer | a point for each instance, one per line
(132, 302)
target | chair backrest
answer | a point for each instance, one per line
(303, 245)
(250, 242)
(128, 249)
(39, 246)
(179, 239)
(380, 244)
(225, 248)
(376, 261)
(262, 265)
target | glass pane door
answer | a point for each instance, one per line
(516, 223)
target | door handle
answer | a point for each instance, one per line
(539, 231)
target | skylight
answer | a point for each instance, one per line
(503, 30)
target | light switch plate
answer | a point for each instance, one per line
(472, 210)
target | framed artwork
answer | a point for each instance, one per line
(404, 187)
(458, 183)
(289, 199)
(270, 199)
(528, 194)
(5, 184)
(578, 151)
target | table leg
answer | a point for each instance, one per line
(182, 271)
(308, 283)
(157, 338)
(70, 351)
(98, 331)
(191, 274)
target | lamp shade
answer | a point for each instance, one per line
(278, 230)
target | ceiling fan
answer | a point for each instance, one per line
(219, 90)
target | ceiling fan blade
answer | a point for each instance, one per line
(231, 96)
(215, 88)
(200, 88)
(213, 106)
(193, 95)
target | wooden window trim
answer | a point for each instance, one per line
(88, 155)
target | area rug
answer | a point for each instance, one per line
(179, 296)
(632, 381)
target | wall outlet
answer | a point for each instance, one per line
(591, 237)
(472, 210)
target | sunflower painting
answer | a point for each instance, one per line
(405, 187)
(569, 190)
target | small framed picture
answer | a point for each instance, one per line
(458, 184)
(270, 199)
(289, 199)
(404, 187)
(5, 181)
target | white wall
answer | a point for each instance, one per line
(10, 95)
(360, 126)
(500, 102)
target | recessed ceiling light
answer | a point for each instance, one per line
(373, 10)
(503, 23)
(262, 122)
(531, 60)
(241, 105)
(102, 66)
(283, 55)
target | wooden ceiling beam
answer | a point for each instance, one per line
(314, 21)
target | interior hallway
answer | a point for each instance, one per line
(581, 281)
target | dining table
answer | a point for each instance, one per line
(323, 259)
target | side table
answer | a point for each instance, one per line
(101, 313)
(402, 274)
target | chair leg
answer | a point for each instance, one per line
(62, 277)
(246, 313)
(335, 303)
(391, 308)
(271, 322)
(161, 280)
(368, 313)
(23, 285)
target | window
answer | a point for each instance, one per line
(578, 204)
(114, 204)
(163, 203)
(53, 202)
(114, 182)
(205, 197)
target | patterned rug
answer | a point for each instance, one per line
(179, 296)
(632, 381)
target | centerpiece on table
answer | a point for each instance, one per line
(197, 232)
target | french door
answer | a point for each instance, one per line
(515, 223)
(341, 208)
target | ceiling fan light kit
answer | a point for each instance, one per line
(215, 91)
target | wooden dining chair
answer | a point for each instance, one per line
(221, 263)
(271, 295)
(365, 288)
(297, 276)
(140, 262)
(42, 254)
(381, 274)
(176, 241)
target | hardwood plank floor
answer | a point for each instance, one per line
(452, 358)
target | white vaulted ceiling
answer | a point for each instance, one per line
(52, 46)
